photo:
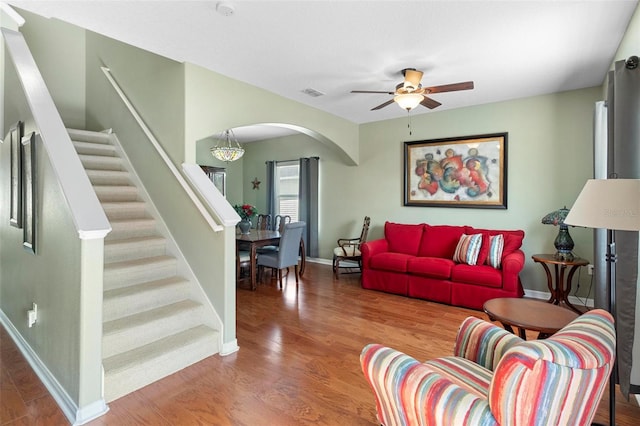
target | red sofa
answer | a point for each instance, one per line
(417, 261)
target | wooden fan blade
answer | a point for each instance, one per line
(454, 87)
(430, 103)
(370, 91)
(389, 102)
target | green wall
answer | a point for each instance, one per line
(60, 57)
(549, 159)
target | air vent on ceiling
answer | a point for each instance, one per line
(312, 92)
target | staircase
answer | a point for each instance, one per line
(151, 325)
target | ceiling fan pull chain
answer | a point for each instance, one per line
(409, 125)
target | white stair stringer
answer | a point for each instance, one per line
(152, 325)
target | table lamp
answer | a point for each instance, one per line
(563, 242)
(614, 205)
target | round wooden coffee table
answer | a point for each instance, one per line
(528, 314)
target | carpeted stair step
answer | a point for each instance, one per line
(133, 248)
(131, 272)
(109, 177)
(127, 333)
(91, 148)
(88, 136)
(132, 370)
(125, 209)
(107, 193)
(126, 301)
(101, 162)
(130, 228)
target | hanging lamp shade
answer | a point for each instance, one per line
(227, 147)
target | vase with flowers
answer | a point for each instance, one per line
(246, 212)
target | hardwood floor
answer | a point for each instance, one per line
(298, 362)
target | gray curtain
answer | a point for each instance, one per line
(271, 188)
(308, 208)
(624, 162)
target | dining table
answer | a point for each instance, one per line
(257, 238)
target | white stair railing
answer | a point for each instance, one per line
(87, 213)
(176, 173)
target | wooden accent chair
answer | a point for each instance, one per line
(349, 250)
(496, 378)
(287, 253)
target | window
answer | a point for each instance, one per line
(287, 178)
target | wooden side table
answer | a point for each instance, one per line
(528, 314)
(558, 287)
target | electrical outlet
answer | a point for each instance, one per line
(32, 315)
(590, 269)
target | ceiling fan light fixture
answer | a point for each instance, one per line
(412, 79)
(408, 101)
(227, 148)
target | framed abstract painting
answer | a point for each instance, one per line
(469, 171)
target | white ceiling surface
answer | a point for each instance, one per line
(510, 49)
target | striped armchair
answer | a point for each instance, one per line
(495, 378)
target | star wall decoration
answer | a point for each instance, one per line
(256, 183)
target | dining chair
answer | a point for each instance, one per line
(287, 253)
(264, 222)
(243, 260)
(279, 221)
(349, 250)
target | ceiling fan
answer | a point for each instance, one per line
(410, 93)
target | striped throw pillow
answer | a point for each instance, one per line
(496, 244)
(467, 249)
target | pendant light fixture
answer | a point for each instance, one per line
(227, 147)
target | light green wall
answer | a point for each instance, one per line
(549, 158)
(154, 85)
(52, 278)
(60, 57)
(215, 103)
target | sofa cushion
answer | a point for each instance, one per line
(403, 238)
(484, 248)
(440, 240)
(395, 262)
(468, 249)
(496, 247)
(433, 267)
(481, 275)
(512, 239)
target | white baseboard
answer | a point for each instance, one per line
(543, 295)
(229, 348)
(75, 415)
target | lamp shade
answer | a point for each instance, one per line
(556, 217)
(609, 204)
(408, 101)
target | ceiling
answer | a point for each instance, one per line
(510, 49)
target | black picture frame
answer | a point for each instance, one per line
(467, 171)
(15, 209)
(29, 192)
